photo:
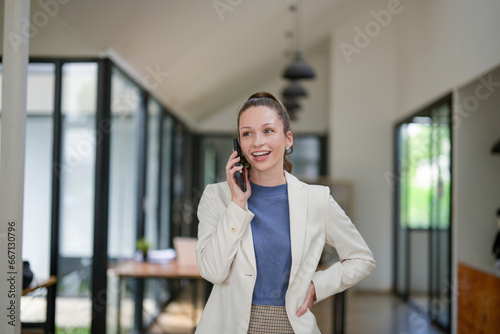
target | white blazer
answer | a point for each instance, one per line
(226, 255)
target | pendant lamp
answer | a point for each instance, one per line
(496, 148)
(294, 90)
(292, 107)
(298, 68)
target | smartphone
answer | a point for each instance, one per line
(240, 177)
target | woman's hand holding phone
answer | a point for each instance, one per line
(239, 196)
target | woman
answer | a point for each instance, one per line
(260, 248)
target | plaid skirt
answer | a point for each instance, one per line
(265, 319)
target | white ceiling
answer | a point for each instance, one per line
(207, 52)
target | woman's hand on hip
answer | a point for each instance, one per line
(238, 196)
(308, 302)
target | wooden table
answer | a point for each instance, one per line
(143, 270)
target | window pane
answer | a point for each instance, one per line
(306, 157)
(179, 174)
(166, 182)
(40, 91)
(215, 152)
(153, 182)
(79, 94)
(419, 175)
(125, 98)
(125, 104)
(37, 185)
(153, 288)
(423, 152)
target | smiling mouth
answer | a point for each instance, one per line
(261, 154)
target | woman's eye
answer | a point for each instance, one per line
(268, 131)
(245, 134)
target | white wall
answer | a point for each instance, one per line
(476, 194)
(363, 94)
(476, 170)
(442, 44)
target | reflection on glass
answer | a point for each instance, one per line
(79, 94)
(37, 185)
(125, 101)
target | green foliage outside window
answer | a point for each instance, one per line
(425, 176)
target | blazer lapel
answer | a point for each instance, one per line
(297, 201)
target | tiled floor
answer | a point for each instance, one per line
(367, 313)
(378, 313)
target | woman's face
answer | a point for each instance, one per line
(262, 139)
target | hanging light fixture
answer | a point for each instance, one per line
(293, 107)
(496, 148)
(294, 90)
(299, 68)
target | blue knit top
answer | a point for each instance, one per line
(271, 239)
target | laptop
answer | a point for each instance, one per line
(185, 249)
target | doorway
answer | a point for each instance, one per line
(423, 211)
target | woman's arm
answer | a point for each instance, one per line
(356, 259)
(222, 225)
(219, 234)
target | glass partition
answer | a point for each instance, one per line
(153, 172)
(79, 101)
(178, 227)
(423, 211)
(166, 182)
(37, 185)
(154, 289)
(306, 157)
(123, 185)
(62, 123)
(125, 103)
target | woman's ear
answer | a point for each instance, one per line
(289, 138)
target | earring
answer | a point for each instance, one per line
(288, 149)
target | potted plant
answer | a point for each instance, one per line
(143, 246)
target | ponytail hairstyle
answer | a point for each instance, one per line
(265, 99)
